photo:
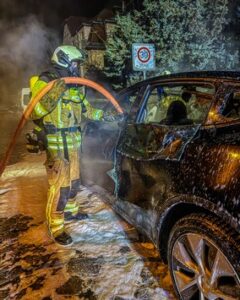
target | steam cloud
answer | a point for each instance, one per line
(25, 48)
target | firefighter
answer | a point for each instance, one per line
(58, 116)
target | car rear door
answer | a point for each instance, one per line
(216, 174)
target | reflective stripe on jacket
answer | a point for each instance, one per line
(68, 109)
(63, 114)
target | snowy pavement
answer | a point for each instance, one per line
(106, 261)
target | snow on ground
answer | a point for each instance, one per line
(106, 261)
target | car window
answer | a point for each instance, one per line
(127, 99)
(182, 104)
(230, 107)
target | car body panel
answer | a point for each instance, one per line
(150, 170)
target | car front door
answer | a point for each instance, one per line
(151, 148)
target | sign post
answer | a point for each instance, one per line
(143, 57)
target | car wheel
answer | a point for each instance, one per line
(204, 259)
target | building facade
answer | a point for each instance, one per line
(90, 35)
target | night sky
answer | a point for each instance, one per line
(52, 13)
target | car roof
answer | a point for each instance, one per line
(230, 75)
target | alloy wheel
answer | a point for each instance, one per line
(201, 270)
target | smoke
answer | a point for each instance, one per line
(26, 45)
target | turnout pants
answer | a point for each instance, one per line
(64, 180)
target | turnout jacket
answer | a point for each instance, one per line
(59, 115)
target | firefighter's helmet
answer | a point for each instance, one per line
(66, 54)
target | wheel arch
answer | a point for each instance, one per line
(181, 207)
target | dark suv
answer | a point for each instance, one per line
(171, 168)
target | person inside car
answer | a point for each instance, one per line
(176, 114)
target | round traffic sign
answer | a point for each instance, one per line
(143, 54)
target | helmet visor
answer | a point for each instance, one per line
(74, 68)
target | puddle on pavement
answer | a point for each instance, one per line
(106, 261)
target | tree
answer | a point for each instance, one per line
(188, 35)
(118, 49)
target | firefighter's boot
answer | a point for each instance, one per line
(68, 217)
(63, 239)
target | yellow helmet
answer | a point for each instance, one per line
(64, 55)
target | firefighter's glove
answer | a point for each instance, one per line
(50, 100)
(32, 142)
(113, 117)
(120, 117)
(108, 117)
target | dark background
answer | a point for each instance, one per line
(52, 13)
(32, 29)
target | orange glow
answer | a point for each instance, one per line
(234, 155)
(213, 117)
(229, 168)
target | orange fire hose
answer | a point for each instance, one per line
(37, 98)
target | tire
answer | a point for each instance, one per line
(204, 259)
